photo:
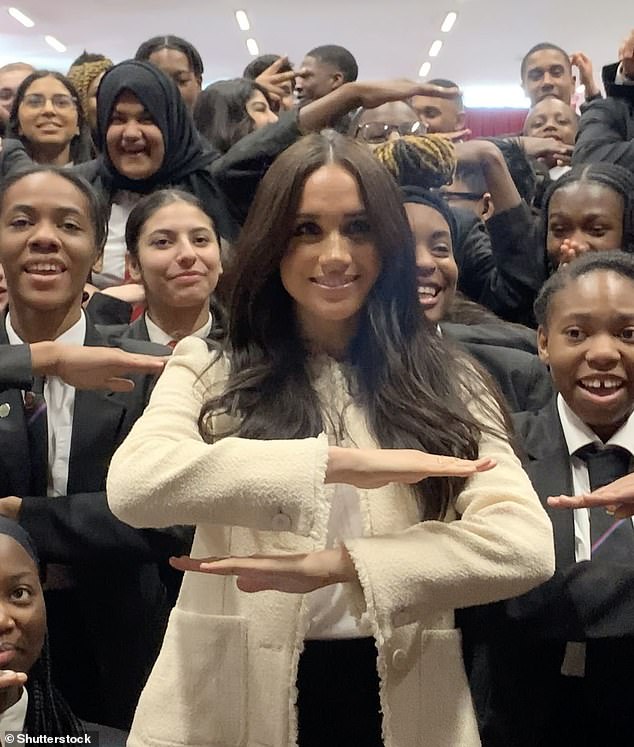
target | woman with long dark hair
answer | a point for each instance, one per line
(228, 110)
(326, 456)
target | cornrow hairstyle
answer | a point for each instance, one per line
(260, 64)
(156, 43)
(80, 146)
(609, 175)
(84, 70)
(617, 261)
(427, 161)
(538, 48)
(339, 57)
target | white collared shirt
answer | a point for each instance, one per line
(60, 407)
(14, 717)
(577, 435)
(157, 335)
(113, 262)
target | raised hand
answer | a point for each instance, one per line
(294, 574)
(273, 80)
(569, 250)
(586, 74)
(371, 94)
(617, 498)
(374, 468)
(548, 149)
(86, 367)
(626, 55)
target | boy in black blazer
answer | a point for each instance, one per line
(557, 660)
(106, 589)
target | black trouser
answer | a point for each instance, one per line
(338, 699)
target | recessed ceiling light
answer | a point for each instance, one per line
(252, 46)
(21, 18)
(424, 69)
(435, 48)
(55, 43)
(243, 20)
(449, 21)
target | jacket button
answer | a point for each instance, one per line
(399, 659)
(281, 523)
(5, 409)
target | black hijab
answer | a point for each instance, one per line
(421, 196)
(14, 530)
(186, 161)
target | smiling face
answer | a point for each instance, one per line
(588, 342)
(133, 139)
(47, 242)
(552, 118)
(48, 114)
(22, 610)
(331, 262)
(178, 258)
(436, 267)
(548, 73)
(587, 213)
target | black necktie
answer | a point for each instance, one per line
(613, 538)
(37, 430)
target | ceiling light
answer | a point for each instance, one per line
(55, 43)
(424, 69)
(21, 18)
(448, 23)
(252, 46)
(435, 48)
(243, 20)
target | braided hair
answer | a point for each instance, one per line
(84, 70)
(428, 162)
(610, 175)
(47, 712)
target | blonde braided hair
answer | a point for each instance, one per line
(83, 74)
(427, 161)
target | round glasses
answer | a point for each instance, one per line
(60, 101)
(379, 132)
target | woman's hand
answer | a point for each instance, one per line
(294, 574)
(374, 468)
(617, 498)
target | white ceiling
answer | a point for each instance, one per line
(390, 38)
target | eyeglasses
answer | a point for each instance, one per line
(379, 132)
(60, 101)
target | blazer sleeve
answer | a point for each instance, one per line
(606, 133)
(164, 473)
(77, 528)
(15, 367)
(501, 546)
(239, 172)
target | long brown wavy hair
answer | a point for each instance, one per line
(412, 386)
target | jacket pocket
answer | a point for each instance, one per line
(447, 714)
(197, 691)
